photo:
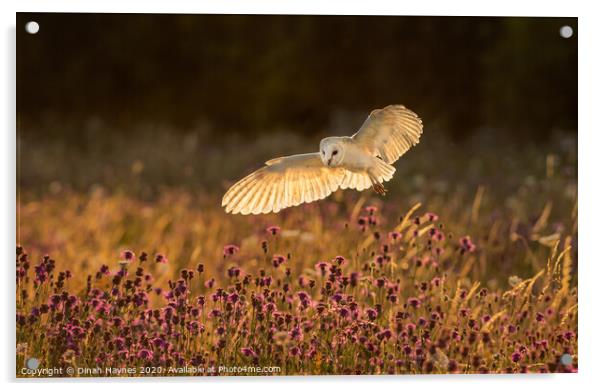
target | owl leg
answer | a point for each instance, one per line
(378, 187)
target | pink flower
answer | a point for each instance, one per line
(371, 209)
(516, 356)
(248, 352)
(414, 302)
(431, 217)
(145, 354)
(230, 249)
(160, 258)
(273, 229)
(127, 255)
(466, 245)
(278, 260)
(394, 235)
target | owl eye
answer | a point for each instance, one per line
(323, 153)
(335, 152)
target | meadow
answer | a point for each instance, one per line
(126, 260)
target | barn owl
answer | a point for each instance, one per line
(358, 162)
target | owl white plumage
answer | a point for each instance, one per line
(358, 162)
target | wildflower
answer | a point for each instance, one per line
(379, 259)
(270, 308)
(248, 352)
(337, 297)
(322, 267)
(516, 356)
(159, 342)
(273, 229)
(41, 273)
(371, 313)
(264, 246)
(143, 257)
(431, 217)
(296, 333)
(466, 245)
(230, 250)
(414, 302)
(160, 258)
(233, 272)
(452, 366)
(354, 278)
(127, 255)
(278, 260)
(371, 209)
(303, 295)
(145, 354)
(380, 282)
(394, 235)
(568, 335)
(233, 298)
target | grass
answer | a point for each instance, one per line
(467, 267)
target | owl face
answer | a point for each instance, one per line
(331, 152)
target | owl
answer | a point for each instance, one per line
(358, 162)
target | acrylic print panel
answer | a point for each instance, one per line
(153, 240)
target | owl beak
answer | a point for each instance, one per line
(329, 160)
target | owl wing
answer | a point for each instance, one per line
(388, 133)
(281, 183)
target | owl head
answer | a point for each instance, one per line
(331, 151)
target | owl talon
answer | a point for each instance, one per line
(379, 189)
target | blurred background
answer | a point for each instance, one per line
(93, 85)
(146, 112)
(255, 74)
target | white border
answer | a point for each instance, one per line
(590, 165)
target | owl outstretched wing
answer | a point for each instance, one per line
(388, 133)
(281, 183)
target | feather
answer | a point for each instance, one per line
(282, 183)
(390, 132)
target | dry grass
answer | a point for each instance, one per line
(477, 279)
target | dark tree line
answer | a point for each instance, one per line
(262, 73)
